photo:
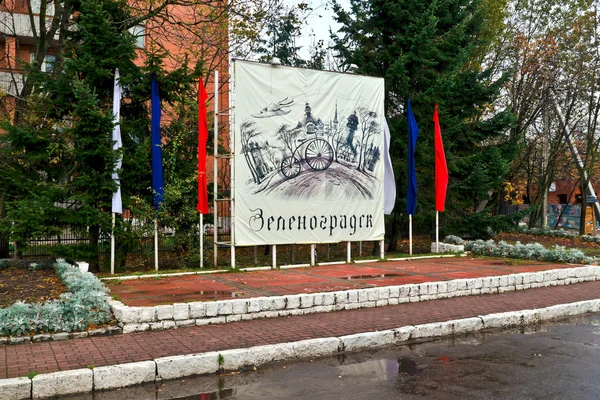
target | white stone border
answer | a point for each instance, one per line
(447, 248)
(122, 375)
(137, 319)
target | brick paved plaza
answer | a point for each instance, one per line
(20, 360)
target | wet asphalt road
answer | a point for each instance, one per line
(551, 361)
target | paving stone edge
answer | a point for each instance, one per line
(139, 319)
(117, 376)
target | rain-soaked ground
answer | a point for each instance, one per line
(551, 361)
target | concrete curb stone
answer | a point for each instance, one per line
(62, 383)
(367, 340)
(15, 388)
(121, 375)
(187, 365)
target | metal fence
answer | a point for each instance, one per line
(139, 238)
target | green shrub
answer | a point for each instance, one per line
(532, 251)
(559, 233)
(482, 225)
(590, 238)
(84, 304)
(451, 239)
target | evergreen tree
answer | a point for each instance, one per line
(428, 52)
(64, 143)
(282, 28)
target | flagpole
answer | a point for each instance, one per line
(437, 231)
(157, 169)
(215, 171)
(410, 234)
(156, 243)
(112, 246)
(201, 240)
(348, 252)
(117, 204)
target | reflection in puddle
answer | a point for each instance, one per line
(221, 394)
(375, 276)
(406, 366)
(385, 368)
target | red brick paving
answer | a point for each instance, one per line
(19, 360)
(150, 292)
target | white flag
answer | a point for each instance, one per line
(389, 183)
(117, 206)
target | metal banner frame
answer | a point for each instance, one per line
(230, 155)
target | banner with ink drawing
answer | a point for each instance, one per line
(309, 155)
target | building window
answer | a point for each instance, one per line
(37, 4)
(562, 199)
(139, 32)
(47, 65)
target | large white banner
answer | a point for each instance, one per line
(309, 155)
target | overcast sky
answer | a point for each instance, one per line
(318, 24)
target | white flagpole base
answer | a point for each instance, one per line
(410, 234)
(382, 250)
(312, 254)
(437, 231)
(112, 245)
(156, 244)
(201, 240)
(348, 252)
(274, 257)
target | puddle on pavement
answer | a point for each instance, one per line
(382, 368)
(373, 276)
(417, 369)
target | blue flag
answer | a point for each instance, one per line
(413, 134)
(158, 185)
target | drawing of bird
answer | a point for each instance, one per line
(275, 109)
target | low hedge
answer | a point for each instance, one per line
(532, 251)
(559, 233)
(84, 304)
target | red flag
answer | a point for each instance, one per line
(202, 138)
(441, 169)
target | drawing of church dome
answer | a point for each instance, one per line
(311, 124)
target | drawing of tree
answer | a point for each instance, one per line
(272, 153)
(368, 127)
(249, 130)
(288, 137)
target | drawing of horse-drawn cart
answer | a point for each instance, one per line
(317, 153)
